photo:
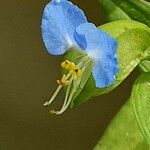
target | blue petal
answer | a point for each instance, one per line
(60, 18)
(102, 49)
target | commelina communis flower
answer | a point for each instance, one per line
(65, 26)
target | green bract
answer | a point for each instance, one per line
(133, 39)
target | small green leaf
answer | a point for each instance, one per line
(123, 132)
(116, 28)
(141, 102)
(138, 10)
(144, 66)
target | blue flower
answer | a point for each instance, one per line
(65, 26)
(60, 19)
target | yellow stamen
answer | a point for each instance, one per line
(68, 65)
(63, 81)
(72, 65)
(75, 71)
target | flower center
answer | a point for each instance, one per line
(74, 71)
(71, 81)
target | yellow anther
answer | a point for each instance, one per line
(68, 65)
(74, 69)
(63, 64)
(76, 72)
(72, 65)
(63, 81)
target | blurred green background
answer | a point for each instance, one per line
(28, 77)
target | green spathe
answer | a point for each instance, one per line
(133, 39)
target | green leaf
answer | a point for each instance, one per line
(130, 129)
(123, 132)
(132, 45)
(112, 11)
(141, 102)
(144, 66)
(116, 28)
(138, 10)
